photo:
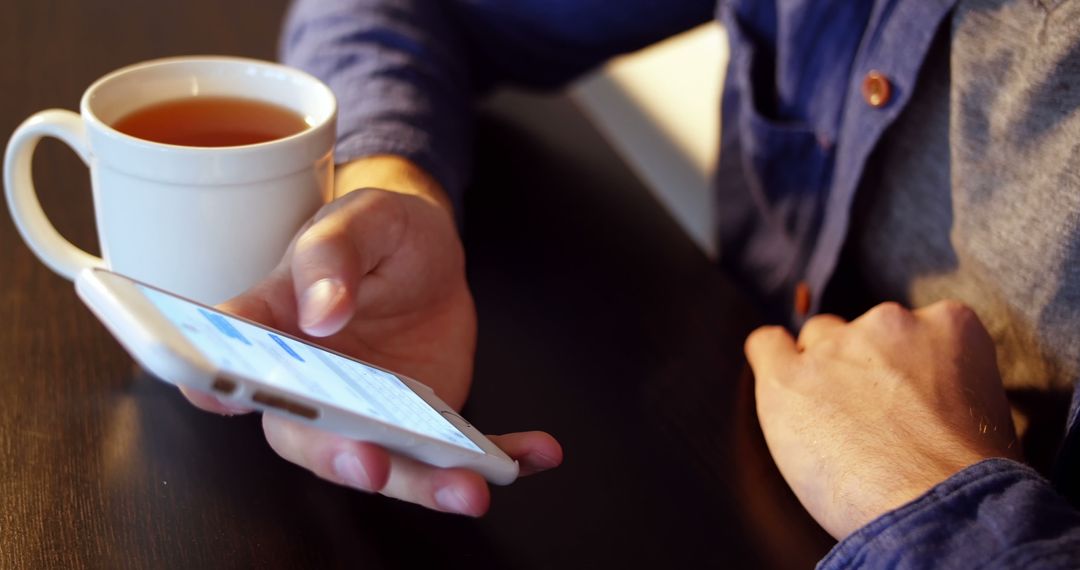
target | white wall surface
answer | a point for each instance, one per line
(660, 108)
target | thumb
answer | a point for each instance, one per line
(331, 258)
(270, 302)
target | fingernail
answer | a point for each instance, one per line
(451, 500)
(318, 300)
(542, 461)
(351, 471)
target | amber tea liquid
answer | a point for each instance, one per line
(211, 122)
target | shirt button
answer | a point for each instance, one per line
(802, 299)
(876, 89)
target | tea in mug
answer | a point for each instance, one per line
(211, 122)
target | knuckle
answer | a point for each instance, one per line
(820, 322)
(954, 309)
(763, 335)
(382, 205)
(332, 207)
(889, 309)
(370, 206)
(821, 317)
(308, 225)
(378, 210)
(817, 320)
(321, 234)
(953, 313)
(889, 313)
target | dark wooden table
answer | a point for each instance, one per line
(599, 322)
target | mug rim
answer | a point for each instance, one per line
(92, 118)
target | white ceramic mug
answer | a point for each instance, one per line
(203, 222)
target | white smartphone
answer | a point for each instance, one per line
(244, 363)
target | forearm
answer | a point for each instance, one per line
(405, 71)
(400, 75)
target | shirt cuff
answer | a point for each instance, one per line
(997, 510)
(408, 143)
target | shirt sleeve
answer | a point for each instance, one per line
(405, 71)
(995, 514)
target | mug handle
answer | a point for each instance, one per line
(51, 248)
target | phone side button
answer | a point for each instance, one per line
(223, 385)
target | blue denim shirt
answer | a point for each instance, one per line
(798, 133)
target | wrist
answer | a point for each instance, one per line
(955, 507)
(903, 486)
(391, 173)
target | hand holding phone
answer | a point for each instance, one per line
(379, 274)
(318, 390)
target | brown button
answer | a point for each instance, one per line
(876, 89)
(802, 299)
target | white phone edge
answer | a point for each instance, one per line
(160, 348)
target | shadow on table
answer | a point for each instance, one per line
(612, 331)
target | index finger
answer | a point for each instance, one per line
(535, 451)
(768, 349)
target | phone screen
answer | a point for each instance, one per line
(242, 349)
